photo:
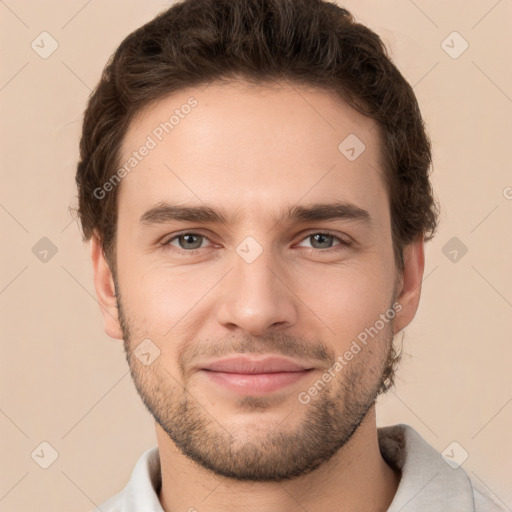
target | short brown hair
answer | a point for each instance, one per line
(307, 42)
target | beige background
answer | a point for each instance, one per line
(65, 382)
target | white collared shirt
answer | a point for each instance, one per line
(428, 483)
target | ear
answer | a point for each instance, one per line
(409, 286)
(105, 290)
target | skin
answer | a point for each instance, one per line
(255, 151)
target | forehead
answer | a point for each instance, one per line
(247, 146)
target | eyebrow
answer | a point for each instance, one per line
(165, 212)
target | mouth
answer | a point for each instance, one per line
(249, 376)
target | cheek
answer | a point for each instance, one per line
(160, 300)
(348, 298)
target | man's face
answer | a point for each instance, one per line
(260, 286)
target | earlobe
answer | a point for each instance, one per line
(105, 290)
(409, 291)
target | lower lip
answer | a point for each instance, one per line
(255, 383)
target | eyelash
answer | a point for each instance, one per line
(342, 245)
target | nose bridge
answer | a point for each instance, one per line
(256, 297)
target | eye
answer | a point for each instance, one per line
(324, 241)
(187, 242)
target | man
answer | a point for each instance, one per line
(279, 141)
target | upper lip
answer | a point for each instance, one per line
(267, 364)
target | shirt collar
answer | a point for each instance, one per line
(427, 484)
(141, 492)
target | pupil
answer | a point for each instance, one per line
(321, 238)
(187, 239)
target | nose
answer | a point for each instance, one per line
(257, 297)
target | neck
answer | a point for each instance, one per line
(355, 478)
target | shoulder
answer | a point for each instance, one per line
(485, 501)
(429, 482)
